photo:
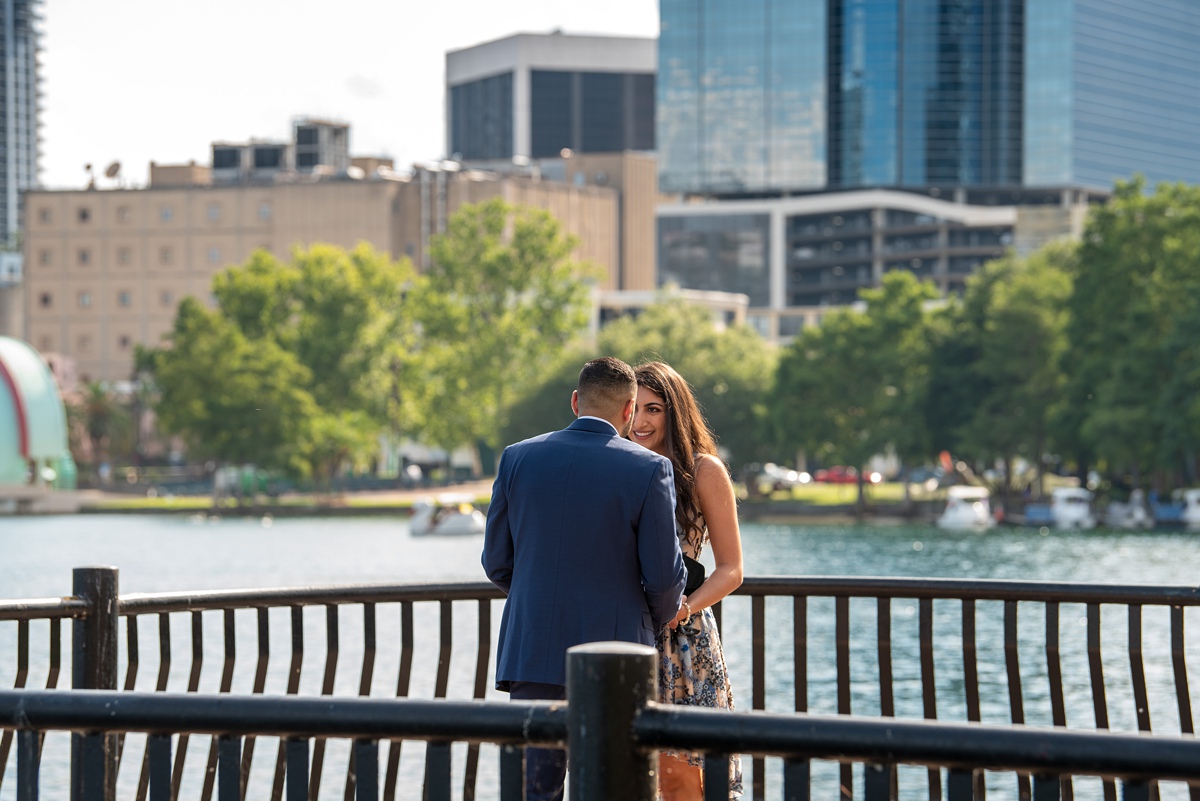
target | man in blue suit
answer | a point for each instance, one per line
(581, 538)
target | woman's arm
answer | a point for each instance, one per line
(714, 493)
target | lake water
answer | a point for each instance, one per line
(173, 553)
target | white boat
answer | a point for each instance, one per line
(446, 515)
(1132, 514)
(967, 508)
(1190, 516)
(1071, 508)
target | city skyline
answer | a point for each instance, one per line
(134, 81)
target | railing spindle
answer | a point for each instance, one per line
(437, 771)
(158, 766)
(1099, 696)
(160, 685)
(18, 683)
(483, 648)
(1046, 788)
(193, 686)
(1137, 669)
(1182, 693)
(296, 749)
(716, 776)
(1012, 665)
(1058, 710)
(282, 760)
(366, 769)
(210, 770)
(260, 683)
(512, 773)
(28, 765)
(960, 784)
(332, 648)
(877, 781)
(929, 685)
(402, 683)
(841, 626)
(364, 689)
(758, 680)
(229, 787)
(970, 661)
(1135, 791)
(797, 779)
(800, 651)
(131, 669)
(883, 617)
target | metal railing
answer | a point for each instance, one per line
(610, 726)
(849, 645)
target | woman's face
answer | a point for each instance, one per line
(650, 422)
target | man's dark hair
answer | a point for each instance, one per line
(606, 385)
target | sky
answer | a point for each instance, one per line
(135, 81)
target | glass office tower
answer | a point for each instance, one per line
(20, 40)
(778, 96)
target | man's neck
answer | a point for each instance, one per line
(601, 419)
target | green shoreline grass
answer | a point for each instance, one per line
(816, 495)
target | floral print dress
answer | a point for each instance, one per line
(692, 672)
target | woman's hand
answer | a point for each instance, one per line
(682, 615)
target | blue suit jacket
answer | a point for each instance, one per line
(581, 537)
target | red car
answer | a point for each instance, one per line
(840, 474)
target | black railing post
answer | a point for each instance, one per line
(94, 667)
(607, 685)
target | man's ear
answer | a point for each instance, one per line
(628, 412)
(575, 402)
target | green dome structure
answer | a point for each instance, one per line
(33, 421)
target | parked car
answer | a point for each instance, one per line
(841, 474)
(772, 478)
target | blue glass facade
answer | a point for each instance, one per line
(741, 95)
(762, 96)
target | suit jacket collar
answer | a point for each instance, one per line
(593, 425)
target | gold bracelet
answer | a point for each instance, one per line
(688, 607)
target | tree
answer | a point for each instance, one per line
(856, 385)
(296, 368)
(1015, 318)
(98, 414)
(233, 399)
(1131, 330)
(501, 299)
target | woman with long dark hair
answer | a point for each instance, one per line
(692, 668)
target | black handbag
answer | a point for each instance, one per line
(695, 574)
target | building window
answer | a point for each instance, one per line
(214, 255)
(164, 255)
(264, 211)
(166, 214)
(46, 300)
(85, 214)
(214, 211)
(45, 257)
(123, 214)
(85, 300)
(124, 255)
(85, 256)
(45, 216)
(166, 298)
(83, 343)
(124, 298)
(123, 342)
(45, 344)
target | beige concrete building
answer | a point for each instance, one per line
(106, 269)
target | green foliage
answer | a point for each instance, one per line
(856, 386)
(502, 298)
(1135, 314)
(295, 369)
(1013, 320)
(729, 368)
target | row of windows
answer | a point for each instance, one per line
(83, 344)
(124, 298)
(124, 214)
(84, 257)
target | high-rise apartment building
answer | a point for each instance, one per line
(811, 95)
(535, 95)
(19, 100)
